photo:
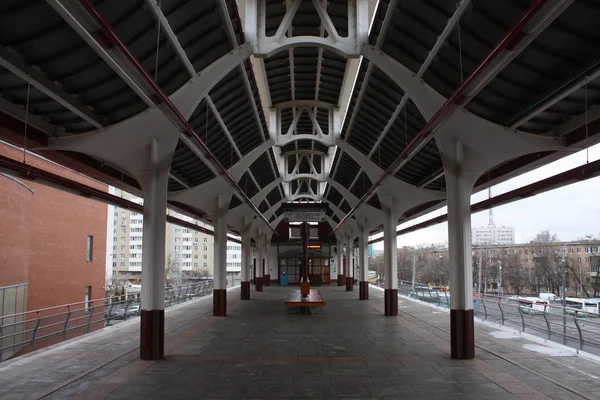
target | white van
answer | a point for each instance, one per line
(549, 297)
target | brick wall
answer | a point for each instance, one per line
(43, 238)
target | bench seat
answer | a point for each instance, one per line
(314, 299)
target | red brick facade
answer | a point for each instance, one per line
(43, 237)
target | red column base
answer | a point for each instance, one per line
(267, 280)
(391, 302)
(220, 302)
(349, 284)
(152, 335)
(258, 284)
(343, 280)
(363, 290)
(339, 280)
(462, 334)
(245, 291)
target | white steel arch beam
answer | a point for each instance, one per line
(264, 46)
(304, 104)
(462, 7)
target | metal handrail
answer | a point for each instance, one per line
(29, 328)
(552, 322)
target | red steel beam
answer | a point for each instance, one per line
(46, 178)
(581, 173)
(510, 39)
(114, 39)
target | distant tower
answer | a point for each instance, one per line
(491, 212)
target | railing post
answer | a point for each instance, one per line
(89, 321)
(485, 314)
(522, 317)
(64, 334)
(35, 328)
(501, 312)
(578, 331)
(548, 326)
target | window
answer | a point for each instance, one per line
(122, 256)
(196, 240)
(204, 264)
(114, 247)
(204, 256)
(579, 250)
(177, 230)
(205, 240)
(205, 248)
(90, 248)
(88, 298)
(195, 248)
(196, 256)
(122, 247)
(177, 240)
(122, 264)
(115, 264)
(196, 265)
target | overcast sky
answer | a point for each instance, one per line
(571, 212)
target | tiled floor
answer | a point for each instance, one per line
(260, 351)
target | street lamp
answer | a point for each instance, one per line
(500, 291)
(564, 299)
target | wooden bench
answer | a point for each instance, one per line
(314, 299)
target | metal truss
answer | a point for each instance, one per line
(265, 46)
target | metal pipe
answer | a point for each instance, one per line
(49, 179)
(188, 130)
(512, 37)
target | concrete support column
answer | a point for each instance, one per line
(246, 259)
(459, 185)
(341, 280)
(220, 258)
(267, 271)
(349, 266)
(154, 182)
(258, 279)
(363, 263)
(390, 261)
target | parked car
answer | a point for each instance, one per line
(549, 297)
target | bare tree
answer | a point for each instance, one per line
(546, 261)
(172, 270)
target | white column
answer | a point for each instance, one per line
(220, 245)
(390, 250)
(261, 256)
(152, 171)
(349, 251)
(246, 258)
(459, 183)
(363, 256)
(340, 254)
(390, 261)
(246, 250)
(155, 189)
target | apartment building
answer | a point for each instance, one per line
(191, 252)
(493, 235)
(234, 264)
(188, 253)
(124, 240)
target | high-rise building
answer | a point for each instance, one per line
(234, 263)
(124, 240)
(493, 235)
(188, 253)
